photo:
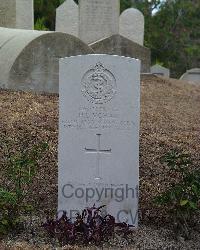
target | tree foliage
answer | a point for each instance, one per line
(172, 29)
(173, 34)
(45, 12)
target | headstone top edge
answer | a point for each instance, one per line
(132, 10)
(193, 70)
(158, 66)
(101, 55)
(66, 2)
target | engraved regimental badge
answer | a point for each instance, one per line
(98, 85)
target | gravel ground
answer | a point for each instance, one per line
(145, 238)
(170, 118)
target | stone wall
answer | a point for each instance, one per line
(29, 60)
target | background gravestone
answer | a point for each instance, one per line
(98, 19)
(192, 75)
(99, 135)
(67, 18)
(16, 14)
(160, 70)
(119, 45)
(7, 13)
(131, 25)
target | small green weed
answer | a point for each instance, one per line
(20, 170)
(182, 198)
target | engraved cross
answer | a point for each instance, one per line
(98, 151)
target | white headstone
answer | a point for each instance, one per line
(131, 25)
(17, 14)
(98, 19)
(192, 75)
(160, 70)
(24, 14)
(67, 18)
(99, 135)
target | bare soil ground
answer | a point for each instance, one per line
(170, 118)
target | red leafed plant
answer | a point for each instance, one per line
(88, 227)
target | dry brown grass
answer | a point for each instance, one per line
(170, 117)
